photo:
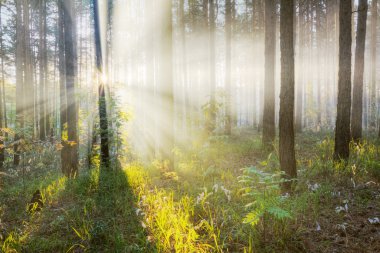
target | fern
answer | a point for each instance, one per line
(264, 189)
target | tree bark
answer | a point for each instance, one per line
(228, 80)
(286, 124)
(357, 100)
(42, 58)
(342, 129)
(166, 78)
(373, 113)
(104, 140)
(70, 144)
(212, 66)
(19, 82)
(2, 91)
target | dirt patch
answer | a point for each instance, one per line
(347, 222)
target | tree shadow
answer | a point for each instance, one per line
(96, 212)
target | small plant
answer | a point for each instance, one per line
(264, 189)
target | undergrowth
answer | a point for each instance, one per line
(199, 207)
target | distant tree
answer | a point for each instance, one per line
(212, 65)
(166, 78)
(104, 135)
(69, 152)
(286, 124)
(342, 128)
(228, 32)
(357, 100)
(19, 61)
(373, 51)
(28, 89)
(43, 66)
(2, 91)
(300, 85)
(269, 131)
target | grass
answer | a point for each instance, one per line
(198, 207)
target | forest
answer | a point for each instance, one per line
(189, 126)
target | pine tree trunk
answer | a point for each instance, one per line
(357, 100)
(342, 129)
(373, 112)
(42, 53)
(228, 88)
(19, 82)
(2, 91)
(69, 151)
(300, 77)
(28, 69)
(286, 124)
(269, 130)
(212, 66)
(166, 78)
(104, 140)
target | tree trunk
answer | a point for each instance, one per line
(373, 112)
(104, 140)
(2, 91)
(357, 100)
(19, 82)
(212, 67)
(42, 56)
(342, 129)
(301, 60)
(269, 130)
(286, 125)
(228, 80)
(28, 70)
(70, 144)
(166, 78)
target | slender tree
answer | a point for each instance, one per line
(373, 51)
(286, 124)
(104, 140)
(43, 65)
(28, 89)
(166, 78)
(269, 131)
(212, 65)
(69, 153)
(228, 27)
(2, 105)
(19, 82)
(357, 100)
(342, 129)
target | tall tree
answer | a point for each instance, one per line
(373, 64)
(212, 65)
(269, 131)
(69, 155)
(166, 78)
(228, 27)
(357, 100)
(43, 66)
(300, 77)
(28, 69)
(342, 128)
(286, 124)
(2, 91)
(19, 82)
(104, 140)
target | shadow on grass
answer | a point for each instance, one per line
(95, 212)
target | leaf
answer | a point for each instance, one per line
(78, 234)
(279, 213)
(253, 217)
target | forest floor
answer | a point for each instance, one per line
(209, 203)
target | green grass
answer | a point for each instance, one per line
(198, 207)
